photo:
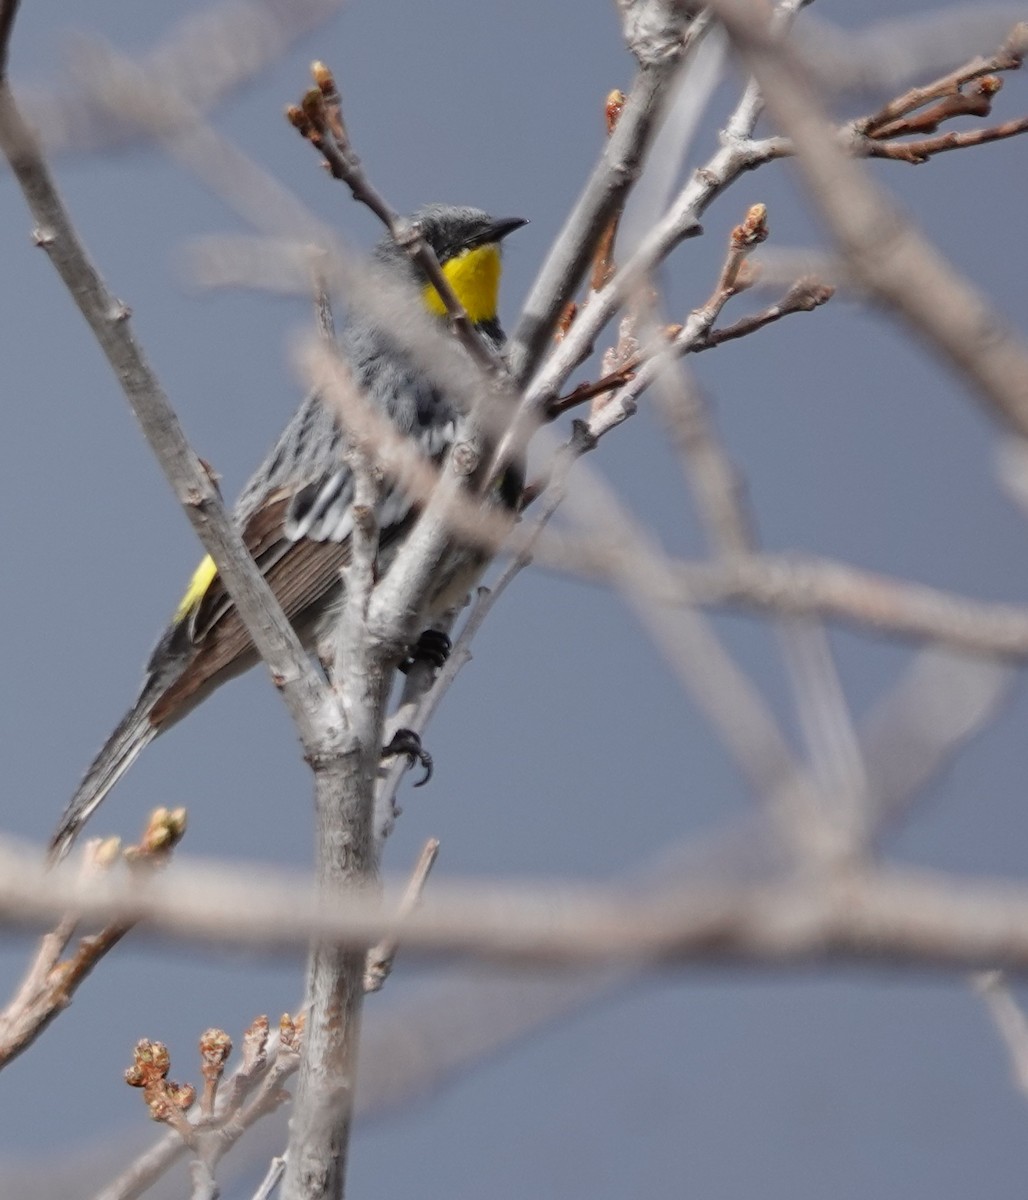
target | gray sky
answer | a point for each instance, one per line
(567, 748)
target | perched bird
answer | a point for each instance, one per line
(295, 512)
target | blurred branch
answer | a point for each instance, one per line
(785, 584)
(914, 733)
(892, 52)
(8, 12)
(806, 817)
(1010, 1021)
(422, 1041)
(827, 804)
(209, 54)
(897, 918)
(796, 585)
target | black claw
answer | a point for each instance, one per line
(432, 647)
(407, 742)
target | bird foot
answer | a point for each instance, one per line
(407, 742)
(433, 647)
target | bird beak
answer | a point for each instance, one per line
(499, 229)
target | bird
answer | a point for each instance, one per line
(294, 514)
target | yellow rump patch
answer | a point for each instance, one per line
(475, 279)
(202, 579)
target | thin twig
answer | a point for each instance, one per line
(737, 154)
(747, 112)
(1010, 1022)
(319, 119)
(604, 194)
(975, 102)
(1007, 58)
(215, 1047)
(804, 296)
(380, 957)
(254, 1090)
(268, 1094)
(921, 151)
(836, 769)
(270, 1182)
(50, 983)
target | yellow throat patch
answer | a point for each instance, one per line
(475, 279)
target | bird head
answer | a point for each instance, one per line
(466, 241)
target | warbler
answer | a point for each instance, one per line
(295, 512)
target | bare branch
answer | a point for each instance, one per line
(1010, 1022)
(1008, 58)
(380, 957)
(51, 983)
(920, 151)
(320, 121)
(272, 634)
(253, 1091)
(897, 918)
(270, 1182)
(800, 586)
(209, 54)
(882, 249)
(602, 197)
(903, 47)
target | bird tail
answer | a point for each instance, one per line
(134, 733)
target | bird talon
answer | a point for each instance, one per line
(407, 743)
(433, 647)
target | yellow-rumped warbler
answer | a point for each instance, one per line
(295, 512)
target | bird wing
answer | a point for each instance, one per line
(301, 572)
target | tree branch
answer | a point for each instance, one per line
(881, 247)
(309, 703)
(603, 196)
(889, 917)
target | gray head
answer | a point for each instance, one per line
(452, 230)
